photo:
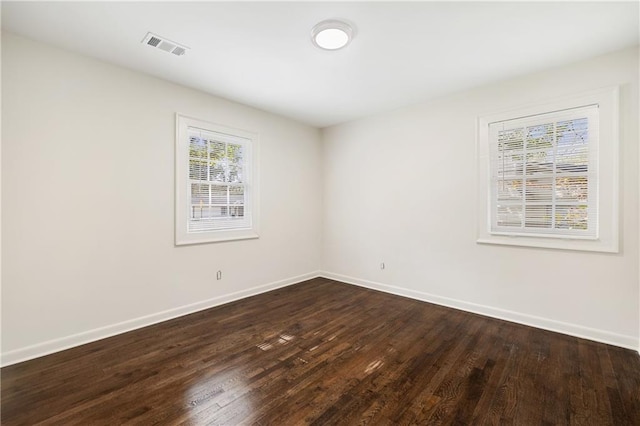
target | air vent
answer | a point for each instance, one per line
(153, 41)
(162, 43)
(179, 51)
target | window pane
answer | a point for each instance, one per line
(218, 194)
(572, 188)
(216, 150)
(198, 208)
(539, 167)
(510, 189)
(219, 211)
(571, 217)
(540, 137)
(200, 211)
(538, 216)
(197, 147)
(572, 159)
(197, 169)
(235, 162)
(538, 190)
(236, 201)
(573, 132)
(539, 162)
(199, 194)
(236, 210)
(511, 140)
(510, 164)
(509, 216)
(236, 194)
(540, 149)
(207, 212)
(217, 162)
(572, 139)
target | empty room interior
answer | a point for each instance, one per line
(288, 213)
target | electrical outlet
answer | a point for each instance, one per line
(219, 275)
(382, 265)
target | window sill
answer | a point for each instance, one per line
(551, 243)
(217, 237)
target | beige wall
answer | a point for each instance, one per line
(88, 202)
(400, 188)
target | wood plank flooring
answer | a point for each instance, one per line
(323, 352)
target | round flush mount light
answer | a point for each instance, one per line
(331, 34)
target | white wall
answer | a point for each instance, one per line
(87, 196)
(400, 188)
(88, 202)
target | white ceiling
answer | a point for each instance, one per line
(260, 54)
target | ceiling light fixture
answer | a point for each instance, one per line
(331, 34)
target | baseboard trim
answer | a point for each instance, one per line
(602, 336)
(63, 343)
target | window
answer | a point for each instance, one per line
(216, 189)
(543, 174)
(548, 175)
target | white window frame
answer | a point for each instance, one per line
(607, 182)
(182, 181)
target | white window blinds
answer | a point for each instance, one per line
(218, 184)
(544, 174)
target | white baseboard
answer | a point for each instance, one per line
(602, 336)
(57, 345)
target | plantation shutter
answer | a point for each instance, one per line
(218, 181)
(544, 174)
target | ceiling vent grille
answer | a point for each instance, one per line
(162, 43)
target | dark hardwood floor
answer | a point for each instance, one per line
(322, 352)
